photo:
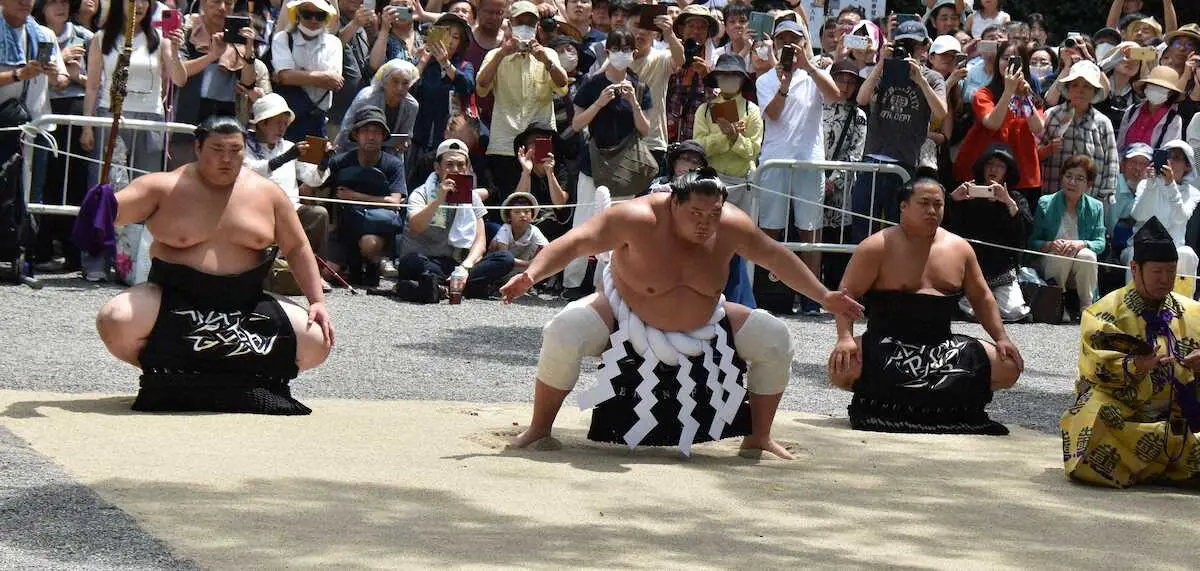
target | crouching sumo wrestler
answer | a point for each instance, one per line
(203, 331)
(670, 375)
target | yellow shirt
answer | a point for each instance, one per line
(524, 94)
(730, 159)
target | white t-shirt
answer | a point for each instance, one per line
(144, 88)
(979, 23)
(526, 247)
(318, 54)
(797, 133)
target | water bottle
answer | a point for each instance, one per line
(458, 280)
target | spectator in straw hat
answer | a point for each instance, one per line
(1076, 127)
(1157, 120)
(697, 28)
(732, 145)
(270, 155)
(519, 236)
(307, 60)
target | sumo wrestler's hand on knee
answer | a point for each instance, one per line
(845, 359)
(319, 315)
(1008, 352)
(516, 287)
(839, 303)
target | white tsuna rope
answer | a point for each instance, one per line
(672, 349)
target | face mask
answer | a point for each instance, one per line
(730, 86)
(569, 60)
(1040, 72)
(763, 52)
(523, 33)
(1157, 94)
(314, 31)
(620, 60)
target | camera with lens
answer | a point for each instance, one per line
(1070, 43)
(900, 52)
(548, 24)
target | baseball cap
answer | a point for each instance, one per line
(946, 44)
(1139, 150)
(521, 7)
(912, 30)
(452, 146)
(789, 26)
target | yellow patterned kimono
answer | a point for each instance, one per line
(1125, 429)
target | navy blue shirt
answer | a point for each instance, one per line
(614, 122)
(392, 167)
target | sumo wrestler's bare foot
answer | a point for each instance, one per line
(753, 448)
(537, 439)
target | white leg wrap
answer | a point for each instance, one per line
(765, 343)
(575, 332)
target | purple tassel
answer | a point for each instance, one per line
(95, 229)
(1159, 323)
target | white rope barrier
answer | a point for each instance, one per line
(738, 186)
(970, 240)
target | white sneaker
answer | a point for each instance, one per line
(387, 269)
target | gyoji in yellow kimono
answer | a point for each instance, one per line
(1135, 414)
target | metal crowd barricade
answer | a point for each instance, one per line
(874, 169)
(70, 122)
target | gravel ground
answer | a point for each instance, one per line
(479, 352)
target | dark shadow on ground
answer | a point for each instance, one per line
(47, 518)
(512, 345)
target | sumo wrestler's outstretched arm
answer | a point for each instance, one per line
(761, 249)
(601, 233)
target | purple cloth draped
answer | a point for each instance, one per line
(95, 229)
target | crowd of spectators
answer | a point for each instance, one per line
(1057, 140)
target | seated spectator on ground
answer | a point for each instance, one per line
(908, 372)
(1133, 418)
(998, 215)
(270, 155)
(541, 178)
(1118, 213)
(524, 76)
(1170, 194)
(731, 140)
(1070, 223)
(439, 238)
(367, 174)
(307, 60)
(389, 91)
(519, 236)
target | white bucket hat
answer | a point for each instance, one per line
(271, 105)
(1088, 71)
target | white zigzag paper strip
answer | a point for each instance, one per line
(733, 400)
(604, 377)
(686, 405)
(716, 392)
(645, 390)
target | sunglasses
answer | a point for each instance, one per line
(1185, 45)
(317, 15)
